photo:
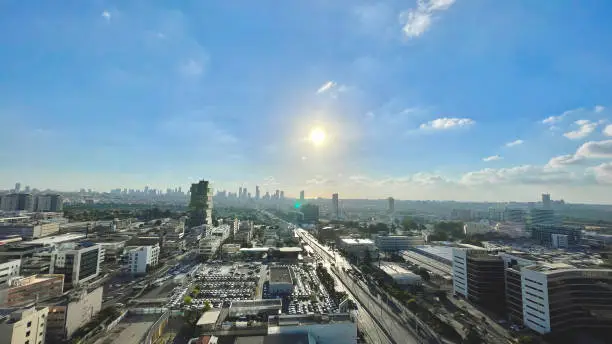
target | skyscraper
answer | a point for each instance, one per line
(201, 204)
(17, 187)
(391, 205)
(335, 206)
(277, 194)
(282, 194)
(245, 193)
(546, 201)
(240, 192)
(257, 192)
(302, 197)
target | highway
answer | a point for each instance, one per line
(391, 324)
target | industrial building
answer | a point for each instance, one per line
(338, 328)
(398, 274)
(281, 282)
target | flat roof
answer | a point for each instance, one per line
(280, 274)
(290, 249)
(350, 241)
(209, 318)
(56, 239)
(444, 252)
(394, 269)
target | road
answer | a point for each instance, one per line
(389, 323)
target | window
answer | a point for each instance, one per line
(29, 324)
(27, 333)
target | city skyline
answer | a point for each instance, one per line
(410, 100)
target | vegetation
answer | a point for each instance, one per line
(447, 230)
(187, 300)
(106, 213)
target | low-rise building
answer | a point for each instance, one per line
(321, 328)
(22, 291)
(481, 227)
(29, 231)
(208, 247)
(68, 313)
(142, 258)
(78, 262)
(281, 282)
(8, 270)
(357, 247)
(398, 274)
(27, 325)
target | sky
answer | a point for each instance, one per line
(435, 99)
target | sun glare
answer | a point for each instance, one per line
(317, 136)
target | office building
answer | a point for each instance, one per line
(395, 243)
(544, 217)
(281, 282)
(514, 215)
(257, 192)
(391, 206)
(559, 241)
(543, 234)
(335, 206)
(358, 248)
(17, 202)
(240, 192)
(78, 262)
(49, 202)
(546, 201)
(141, 259)
(310, 213)
(17, 187)
(68, 313)
(479, 277)
(22, 291)
(201, 203)
(558, 297)
(24, 326)
(301, 197)
(8, 270)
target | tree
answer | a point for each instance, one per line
(187, 300)
(408, 223)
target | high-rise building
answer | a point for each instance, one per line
(257, 192)
(201, 203)
(17, 187)
(17, 202)
(310, 213)
(240, 192)
(546, 201)
(245, 194)
(302, 197)
(391, 205)
(335, 206)
(282, 194)
(49, 202)
(277, 194)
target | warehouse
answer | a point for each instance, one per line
(281, 282)
(399, 274)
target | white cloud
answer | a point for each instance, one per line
(552, 119)
(595, 149)
(270, 181)
(492, 158)
(526, 174)
(447, 123)
(418, 20)
(515, 143)
(586, 127)
(106, 15)
(564, 160)
(608, 130)
(192, 68)
(603, 173)
(318, 180)
(326, 87)
(599, 108)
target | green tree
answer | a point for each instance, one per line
(409, 224)
(187, 300)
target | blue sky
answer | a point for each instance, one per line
(419, 100)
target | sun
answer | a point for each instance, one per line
(317, 136)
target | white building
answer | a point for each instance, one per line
(208, 246)
(28, 325)
(9, 270)
(323, 329)
(357, 247)
(78, 262)
(141, 258)
(477, 227)
(559, 241)
(398, 274)
(460, 282)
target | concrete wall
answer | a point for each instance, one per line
(82, 311)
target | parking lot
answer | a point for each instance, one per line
(308, 296)
(219, 284)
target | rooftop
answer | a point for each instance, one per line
(394, 269)
(57, 239)
(350, 241)
(307, 319)
(209, 318)
(280, 274)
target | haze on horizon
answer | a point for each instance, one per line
(436, 99)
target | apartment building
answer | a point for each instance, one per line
(142, 258)
(27, 325)
(8, 270)
(68, 313)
